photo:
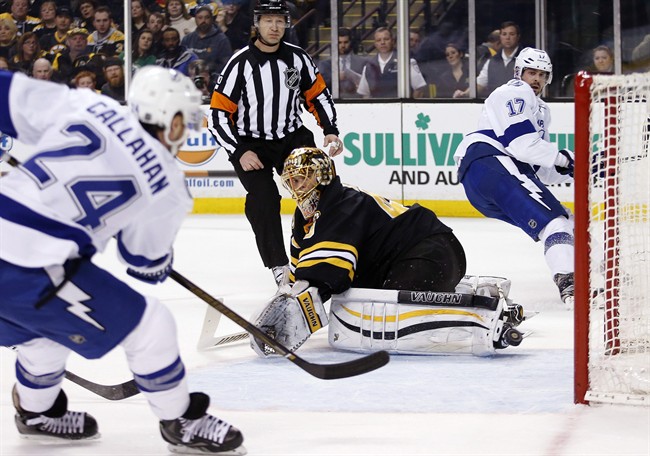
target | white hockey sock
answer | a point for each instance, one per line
(38, 358)
(153, 356)
(558, 241)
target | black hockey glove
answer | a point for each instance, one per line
(568, 162)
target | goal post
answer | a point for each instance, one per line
(612, 238)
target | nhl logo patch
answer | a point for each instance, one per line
(291, 78)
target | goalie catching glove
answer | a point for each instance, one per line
(290, 318)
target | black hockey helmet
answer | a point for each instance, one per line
(278, 7)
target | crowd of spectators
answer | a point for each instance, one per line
(81, 42)
(86, 37)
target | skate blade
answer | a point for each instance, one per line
(52, 439)
(182, 449)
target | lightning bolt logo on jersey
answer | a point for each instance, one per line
(74, 296)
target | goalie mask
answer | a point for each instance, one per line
(533, 58)
(305, 169)
(157, 94)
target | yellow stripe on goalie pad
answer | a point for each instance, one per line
(412, 314)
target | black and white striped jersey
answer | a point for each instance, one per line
(259, 95)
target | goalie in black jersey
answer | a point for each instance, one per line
(343, 237)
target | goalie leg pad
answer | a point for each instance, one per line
(368, 325)
(290, 318)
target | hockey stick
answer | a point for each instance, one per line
(110, 392)
(323, 371)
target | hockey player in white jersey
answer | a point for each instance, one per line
(98, 171)
(506, 164)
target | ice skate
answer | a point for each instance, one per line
(514, 314)
(197, 432)
(564, 283)
(510, 336)
(56, 423)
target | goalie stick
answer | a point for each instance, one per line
(207, 338)
(323, 371)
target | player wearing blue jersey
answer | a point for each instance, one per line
(506, 164)
(97, 170)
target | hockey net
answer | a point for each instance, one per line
(612, 202)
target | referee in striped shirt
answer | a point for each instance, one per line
(255, 116)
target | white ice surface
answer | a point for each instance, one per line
(517, 403)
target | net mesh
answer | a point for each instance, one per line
(619, 230)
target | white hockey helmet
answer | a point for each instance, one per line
(157, 94)
(316, 168)
(533, 58)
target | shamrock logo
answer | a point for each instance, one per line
(423, 121)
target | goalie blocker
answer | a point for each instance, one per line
(477, 319)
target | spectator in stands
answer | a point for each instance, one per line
(18, 13)
(208, 42)
(432, 46)
(114, 75)
(203, 79)
(235, 22)
(87, 15)
(454, 81)
(175, 55)
(139, 16)
(85, 80)
(27, 51)
(42, 69)
(488, 48)
(350, 67)
(76, 57)
(178, 17)
(415, 39)
(143, 51)
(106, 39)
(54, 43)
(4, 63)
(379, 77)
(602, 60)
(156, 23)
(641, 55)
(500, 68)
(8, 37)
(47, 16)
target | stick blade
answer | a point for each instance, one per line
(347, 369)
(110, 392)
